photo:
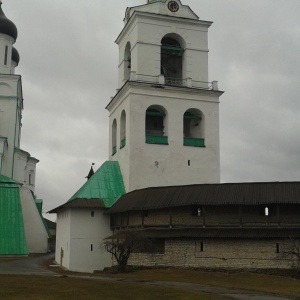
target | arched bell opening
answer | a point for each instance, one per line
(156, 125)
(193, 128)
(172, 60)
(127, 62)
(123, 129)
(114, 137)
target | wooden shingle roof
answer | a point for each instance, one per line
(254, 193)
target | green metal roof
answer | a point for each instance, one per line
(6, 180)
(106, 185)
(12, 234)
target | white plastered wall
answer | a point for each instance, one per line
(36, 234)
(83, 251)
(144, 165)
(63, 228)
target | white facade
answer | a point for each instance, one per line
(79, 238)
(178, 155)
(35, 232)
(14, 162)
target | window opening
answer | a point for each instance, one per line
(31, 178)
(123, 130)
(155, 126)
(171, 61)
(92, 213)
(201, 246)
(193, 128)
(114, 137)
(189, 162)
(92, 247)
(267, 211)
(277, 248)
(127, 62)
(5, 55)
(197, 211)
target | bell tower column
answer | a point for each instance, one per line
(164, 119)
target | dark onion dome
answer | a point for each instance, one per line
(7, 26)
(15, 56)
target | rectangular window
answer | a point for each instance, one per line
(199, 249)
(197, 211)
(92, 247)
(92, 213)
(5, 55)
(201, 246)
(277, 248)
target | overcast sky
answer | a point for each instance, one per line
(69, 70)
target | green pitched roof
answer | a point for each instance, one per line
(106, 185)
(12, 234)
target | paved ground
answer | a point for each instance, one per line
(33, 266)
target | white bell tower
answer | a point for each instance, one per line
(164, 119)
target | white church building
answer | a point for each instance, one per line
(164, 126)
(22, 229)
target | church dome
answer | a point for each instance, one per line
(7, 26)
(15, 56)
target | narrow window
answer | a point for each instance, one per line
(196, 211)
(92, 213)
(189, 162)
(92, 247)
(277, 248)
(30, 178)
(266, 211)
(123, 130)
(114, 137)
(5, 55)
(201, 246)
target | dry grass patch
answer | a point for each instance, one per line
(63, 288)
(278, 285)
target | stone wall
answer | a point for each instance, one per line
(221, 253)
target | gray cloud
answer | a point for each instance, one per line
(69, 68)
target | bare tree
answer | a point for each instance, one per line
(292, 251)
(126, 243)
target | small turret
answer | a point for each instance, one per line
(7, 26)
(9, 56)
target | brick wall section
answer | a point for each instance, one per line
(237, 254)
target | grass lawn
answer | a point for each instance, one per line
(14, 287)
(278, 285)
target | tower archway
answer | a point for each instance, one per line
(156, 125)
(114, 137)
(172, 50)
(194, 128)
(123, 129)
(127, 62)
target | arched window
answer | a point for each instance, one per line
(193, 128)
(171, 60)
(127, 62)
(156, 125)
(114, 137)
(123, 129)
